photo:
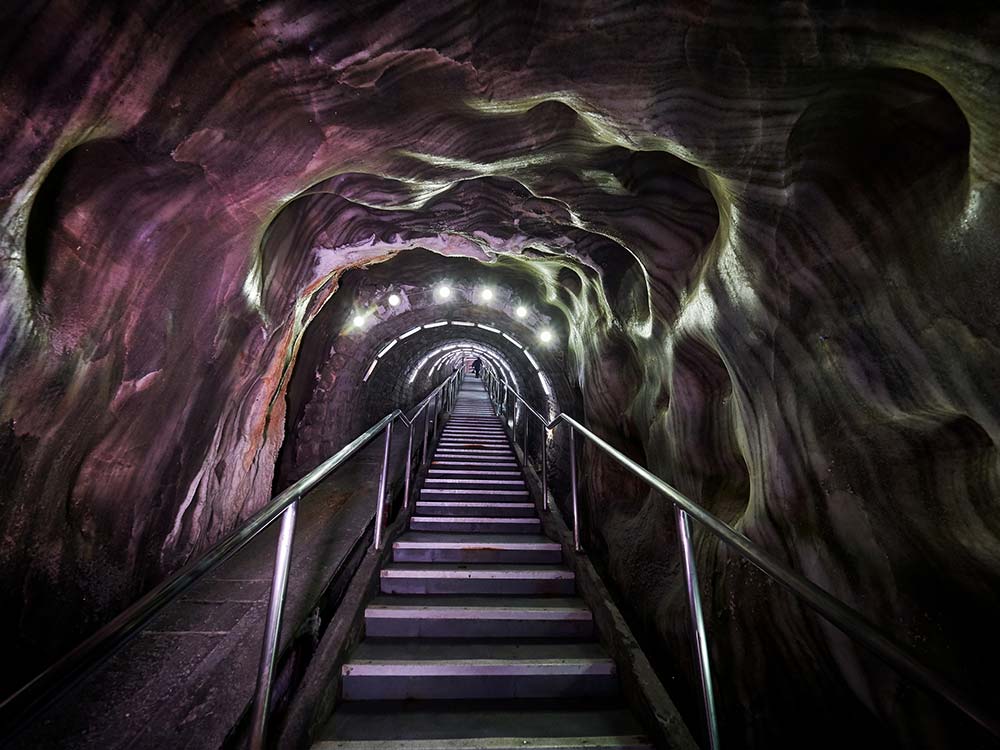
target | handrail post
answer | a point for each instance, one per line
(437, 415)
(524, 449)
(382, 487)
(698, 627)
(427, 419)
(409, 460)
(545, 468)
(272, 630)
(572, 474)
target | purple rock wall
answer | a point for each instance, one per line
(766, 235)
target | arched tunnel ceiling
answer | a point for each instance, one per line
(765, 234)
(322, 417)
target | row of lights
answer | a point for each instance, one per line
(443, 292)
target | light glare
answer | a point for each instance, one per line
(444, 291)
(545, 336)
(521, 311)
(394, 300)
(487, 294)
(359, 321)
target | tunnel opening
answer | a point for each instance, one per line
(359, 351)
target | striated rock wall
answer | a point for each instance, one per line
(767, 235)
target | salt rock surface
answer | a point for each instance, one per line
(768, 232)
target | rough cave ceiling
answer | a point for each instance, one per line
(768, 236)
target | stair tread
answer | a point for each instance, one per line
(513, 520)
(482, 602)
(526, 569)
(464, 651)
(447, 481)
(474, 504)
(474, 540)
(475, 472)
(517, 742)
(447, 719)
(499, 463)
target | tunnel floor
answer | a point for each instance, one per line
(477, 637)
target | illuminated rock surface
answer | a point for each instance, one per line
(766, 240)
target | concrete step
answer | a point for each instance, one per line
(617, 742)
(466, 457)
(436, 482)
(478, 464)
(598, 724)
(474, 449)
(482, 429)
(474, 441)
(485, 472)
(427, 547)
(495, 580)
(473, 508)
(473, 496)
(511, 493)
(460, 457)
(477, 524)
(452, 453)
(477, 617)
(385, 669)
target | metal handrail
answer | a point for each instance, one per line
(847, 619)
(19, 708)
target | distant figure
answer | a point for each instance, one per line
(477, 366)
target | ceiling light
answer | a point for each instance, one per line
(487, 294)
(545, 336)
(443, 291)
(359, 320)
(521, 311)
(394, 300)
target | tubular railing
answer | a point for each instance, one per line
(27, 702)
(847, 619)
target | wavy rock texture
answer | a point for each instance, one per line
(768, 236)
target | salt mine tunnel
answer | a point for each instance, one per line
(499, 374)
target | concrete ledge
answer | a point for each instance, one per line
(640, 684)
(319, 689)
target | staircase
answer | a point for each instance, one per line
(477, 639)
